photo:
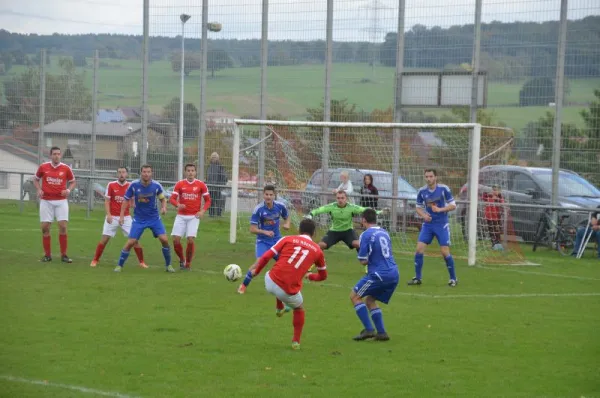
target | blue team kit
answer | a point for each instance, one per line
(268, 219)
(438, 227)
(146, 215)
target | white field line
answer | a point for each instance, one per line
(47, 383)
(581, 278)
(424, 295)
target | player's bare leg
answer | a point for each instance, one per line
(323, 245)
(362, 312)
(298, 322)
(166, 251)
(190, 249)
(99, 250)
(445, 250)
(419, 254)
(46, 242)
(179, 251)
(62, 240)
(125, 253)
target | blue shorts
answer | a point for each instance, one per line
(138, 227)
(440, 231)
(262, 247)
(380, 290)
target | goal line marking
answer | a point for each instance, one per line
(47, 383)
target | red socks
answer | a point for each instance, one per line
(62, 240)
(139, 253)
(279, 305)
(179, 250)
(99, 250)
(189, 253)
(46, 244)
(298, 323)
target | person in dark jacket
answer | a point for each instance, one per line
(368, 193)
(216, 179)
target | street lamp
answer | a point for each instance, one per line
(184, 18)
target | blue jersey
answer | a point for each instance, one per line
(145, 200)
(268, 220)
(440, 196)
(376, 248)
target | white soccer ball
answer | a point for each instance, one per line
(232, 272)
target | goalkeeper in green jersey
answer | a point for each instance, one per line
(341, 213)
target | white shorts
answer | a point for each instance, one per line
(293, 300)
(112, 228)
(54, 209)
(185, 226)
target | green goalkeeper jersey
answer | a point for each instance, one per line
(341, 216)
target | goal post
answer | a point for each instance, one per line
(294, 160)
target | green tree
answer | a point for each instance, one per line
(67, 96)
(191, 116)
(537, 91)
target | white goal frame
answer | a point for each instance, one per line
(473, 166)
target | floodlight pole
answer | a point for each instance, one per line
(184, 18)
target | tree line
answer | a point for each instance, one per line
(509, 50)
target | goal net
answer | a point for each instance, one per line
(304, 160)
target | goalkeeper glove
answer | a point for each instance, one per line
(308, 216)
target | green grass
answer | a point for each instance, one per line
(293, 89)
(504, 331)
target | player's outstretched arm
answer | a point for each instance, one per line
(261, 262)
(321, 210)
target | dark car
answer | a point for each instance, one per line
(532, 185)
(311, 197)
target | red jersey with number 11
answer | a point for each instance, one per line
(297, 253)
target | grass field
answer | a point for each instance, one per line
(70, 330)
(293, 89)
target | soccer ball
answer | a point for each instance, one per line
(232, 272)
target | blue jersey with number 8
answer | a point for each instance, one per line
(376, 248)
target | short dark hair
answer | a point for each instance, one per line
(307, 226)
(145, 166)
(370, 216)
(342, 191)
(431, 170)
(123, 167)
(269, 188)
(189, 165)
(54, 148)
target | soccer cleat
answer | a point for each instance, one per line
(295, 345)
(143, 265)
(452, 282)
(182, 265)
(364, 335)
(170, 268)
(381, 337)
(242, 289)
(66, 259)
(46, 259)
(280, 313)
(414, 282)
(118, 268)
(93, 263)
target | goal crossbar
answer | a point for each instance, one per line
(473, 176)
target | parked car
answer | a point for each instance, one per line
(532, 185)
(311, 197)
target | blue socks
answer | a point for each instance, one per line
(450, 265)
(167, 255)
(363, 314)
(377, 317)
(418, 265)
(123, 257)
(247, 279)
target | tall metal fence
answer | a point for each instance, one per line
(109, 100)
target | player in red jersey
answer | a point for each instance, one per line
(297, 253)
(50, 182)
(113, 198)
(187, 197)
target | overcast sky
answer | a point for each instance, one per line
(288, 19)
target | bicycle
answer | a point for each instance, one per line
(559, 236)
